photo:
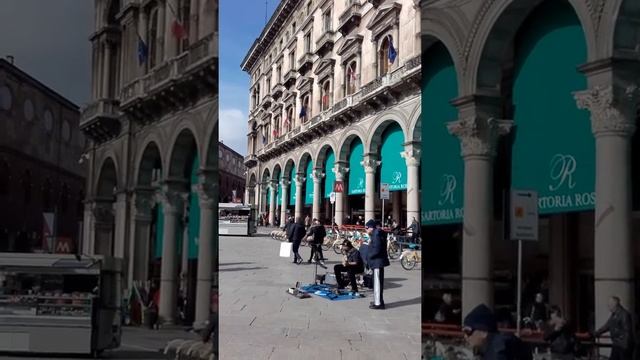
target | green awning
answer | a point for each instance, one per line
(554, 149)
(292, 186)
(329, 177)
(279, 190)
(308, 199)
(159, 231)
(194, 211)
(268, 194)
(356, 170)
(393, 168)
(442, 167)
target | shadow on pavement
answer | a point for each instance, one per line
(243, 269)
(237, 263)
(416, 300)
(135, 355)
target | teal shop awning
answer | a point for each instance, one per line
(329, 177)
(279, 191)
(268, 195)
(442, 167)
(308, 198)
(356, 170)
(393, 168)
(194, 211)
(292, 186)
(562, 168)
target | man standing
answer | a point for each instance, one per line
(620, 327)
(318, 233)
(377, 259)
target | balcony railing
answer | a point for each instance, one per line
(100, 120)
(290, 78)
(305, 62)
(350, 17)
(325, 43)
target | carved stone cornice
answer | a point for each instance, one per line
(412, 157)
(613, 110)
(478, 138)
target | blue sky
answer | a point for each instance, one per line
(240, 24)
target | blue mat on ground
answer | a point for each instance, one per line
(326, 291)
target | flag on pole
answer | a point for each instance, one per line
(325, 100)
(264, 139)
(392, 51)
(143, 51)
(352, 74)
(303, 112)
(275, 133)
(177, 28)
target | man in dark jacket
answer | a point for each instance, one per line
(296, 234)
(377, 260)
(288, 227)
(319, 233)
(620, 327)
(481, 332)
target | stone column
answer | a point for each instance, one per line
(170, 41)
(613, 113)
(370, 164)
(411, 156)
(272, 202)
(317, 176)
(264, 189)
(106, 70)
(300, 179)
(478, 139)
(87, 233)
(340, 170)
(103, 227)
(285, 200)
(172, 201)
(120, 210)
(141, 233)
(207, 243)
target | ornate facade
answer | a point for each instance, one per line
(546, 97)
(40, 168)
(335, 97)
(153, 158)
(232, 175)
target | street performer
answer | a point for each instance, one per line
(351, 264)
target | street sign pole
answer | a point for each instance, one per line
(382, 212)
(519, 307)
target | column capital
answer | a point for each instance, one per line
(103, 212)
(285, 182)
(172, 197)
(300, 179)
(478, 137)
(340, 170)
(317, 175)
(370, 164)
(207, 194)
(143, 200)
(411, 156)
(613, 109)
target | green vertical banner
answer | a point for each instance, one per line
(329, 177)
(356, 170)
(393, 168)
(553, 150)
(194, 211)
(292, 186)
(308, 199)
(279, 189)
(442, 166)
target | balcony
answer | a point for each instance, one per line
(290, 78)
(305, 63)
(100, 120)
(250, 160)
(325, 43)
(277, 91)
(375, 3)
(175, 83)
(267, 101)
(350, 18)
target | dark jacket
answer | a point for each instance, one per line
(501, 346)
(619, 326)
(297, 233)
(377, 253)
(318, 233)
(288, 228)
(560, 341)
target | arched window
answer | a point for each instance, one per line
(383, 56)
(152, 38)
(326, 95)
(46, 195)
(5, 177)
(268, 83)
(288, 119)
(276, 127)
(305, 111)
(351, 78)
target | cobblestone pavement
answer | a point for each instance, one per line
(259, 320)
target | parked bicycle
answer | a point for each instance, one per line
(410, 257)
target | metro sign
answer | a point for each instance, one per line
(64, 245)
(338, 187)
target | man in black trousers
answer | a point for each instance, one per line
(377, 259)
(318, 233)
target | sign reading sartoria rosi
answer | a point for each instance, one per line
(446, 204)
(563, 192)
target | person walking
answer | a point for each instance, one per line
(377, 259)
(481, 333)
(620, 327)
(318, 233)
(307, 222)
(351, 264)
(447, 314)
(539, 312)
(296, 233)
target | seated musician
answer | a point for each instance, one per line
(351, 264)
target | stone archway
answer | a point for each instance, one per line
(103, 212)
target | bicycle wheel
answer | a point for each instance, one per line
(326, 245)
(394, 250)
(408, 263)
(336, 247)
